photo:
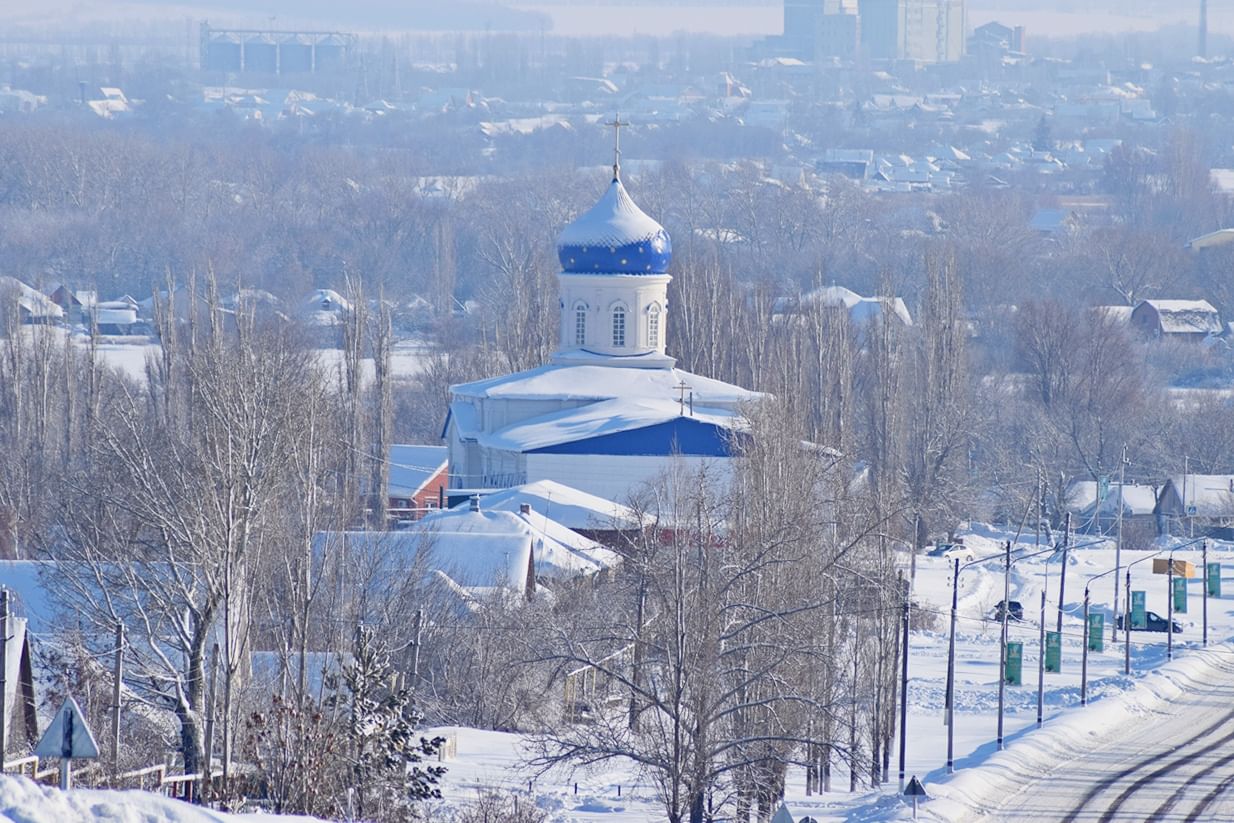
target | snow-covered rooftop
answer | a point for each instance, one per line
(584, 382)
(598, 419)
(559, 552)
(568, 506)
(1186, 316)
(411, 466)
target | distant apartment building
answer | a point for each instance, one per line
(820, 28)
(931, 31)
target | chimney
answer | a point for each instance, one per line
(475, 502)
(525, 508)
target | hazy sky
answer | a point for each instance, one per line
(588, 17)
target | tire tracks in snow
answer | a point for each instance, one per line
(1109, 782)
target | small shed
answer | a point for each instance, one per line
(1191, 320)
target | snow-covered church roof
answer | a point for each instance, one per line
(597, 405)
(614, 236)
(588, 382)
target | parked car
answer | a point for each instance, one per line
(1014, 612)
(1156, 623)
(952, 551)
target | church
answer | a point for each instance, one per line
(610, 411)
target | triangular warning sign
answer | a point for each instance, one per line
(68, 736)
(915, 789)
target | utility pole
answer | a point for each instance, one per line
(1118, 546)
(117, 678)
(950, 717)
(904, 686)
(1041, 655)
(1002, 648)
(1084, 657)
(1127, 627)
(1062, 575)
(4, 665)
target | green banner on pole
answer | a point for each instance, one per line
(1180, 595)
(1015, 663)
(1139, 614)
(1053, 652)
(1214, 579)
(1096, 632)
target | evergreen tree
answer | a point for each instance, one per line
(387, 775)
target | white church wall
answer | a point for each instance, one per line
(600, 294)
(611, 477)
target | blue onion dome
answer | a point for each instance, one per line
(615, 236)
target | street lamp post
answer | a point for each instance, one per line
(1205, 601)
(1084, 658)
(1127, 614)
(955, 588)
(1169, 609)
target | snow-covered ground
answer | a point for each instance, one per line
(496, 760)
(23, 801)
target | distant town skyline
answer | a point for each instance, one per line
(585, 17)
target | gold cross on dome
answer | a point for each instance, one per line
(616, 124)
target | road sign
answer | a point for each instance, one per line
(1182, 568)
(1214, 579)
(68, 738)
(1015, 663)
(1053, 652)
(917, 792)
(1180, 595)
(1191, 510)
(1096, 632)
(1139, 614)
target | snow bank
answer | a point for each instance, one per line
(971, 793)
(24, 801)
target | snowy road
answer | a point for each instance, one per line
(1175, 765)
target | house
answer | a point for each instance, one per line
(862, 311)
(114, 317)
(587, 514)
(1197, 502)
(1095, 510)
(33, 307)
(1191, 320)
(72, 303)
(418, 478)
(475, 553)
(854, 163)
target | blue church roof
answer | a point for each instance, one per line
(614, 236)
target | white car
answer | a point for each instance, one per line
(952, 551)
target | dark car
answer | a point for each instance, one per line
(1156, 623)
(1014, 612)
